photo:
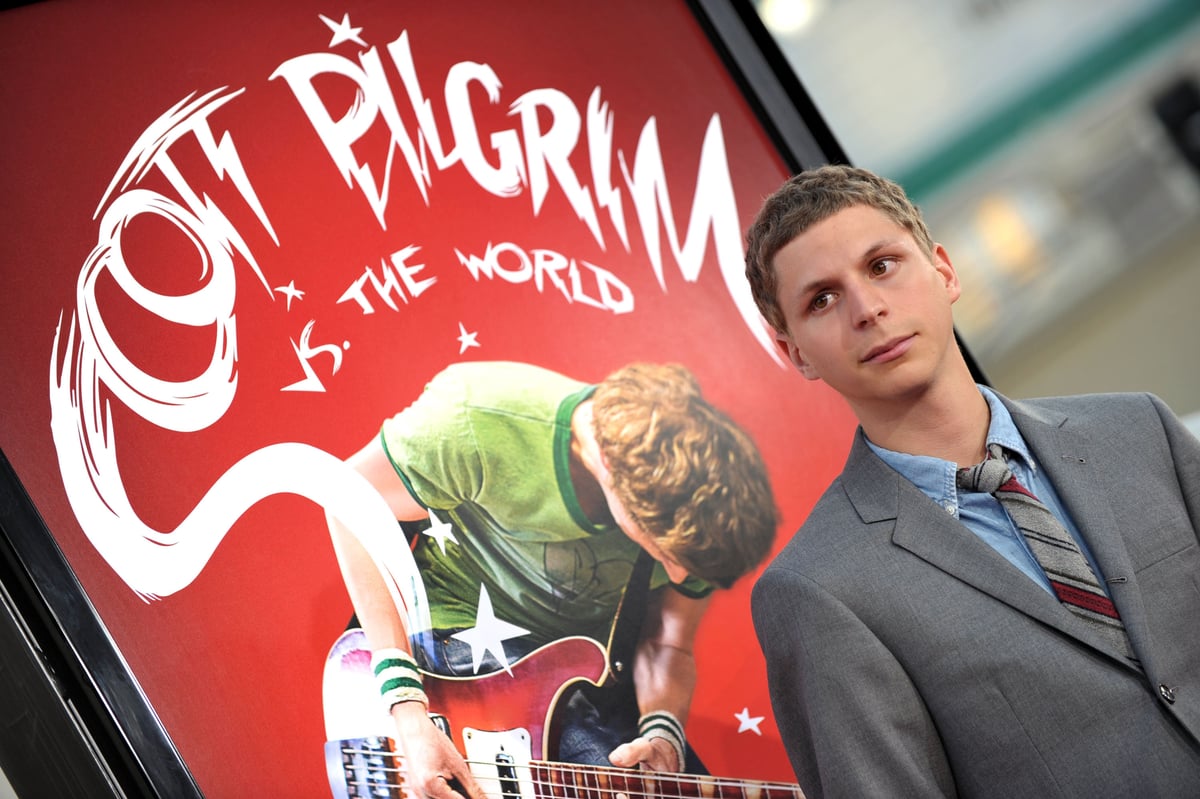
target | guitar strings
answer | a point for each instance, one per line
(550, 788)
(610, 774)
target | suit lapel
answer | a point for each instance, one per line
(879, 493)
(1071, 461)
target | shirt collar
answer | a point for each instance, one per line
(1003, 431)
(936, 477)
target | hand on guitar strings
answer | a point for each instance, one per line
(647, 754)
(435, 768)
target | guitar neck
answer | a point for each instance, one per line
(569, 781)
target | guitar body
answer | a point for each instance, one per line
(479, 711)
(479, 714)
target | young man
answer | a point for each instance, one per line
(554, 488)
(917, 642)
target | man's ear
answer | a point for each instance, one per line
(788, 349)
(941, 262)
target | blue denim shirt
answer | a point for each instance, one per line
(982, 513)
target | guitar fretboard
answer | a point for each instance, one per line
(566, 781)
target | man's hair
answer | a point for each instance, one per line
(806, 199)
(687, 475)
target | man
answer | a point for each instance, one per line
(915, 645)
(554, 487)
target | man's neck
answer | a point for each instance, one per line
(586, 466)
(948, 420)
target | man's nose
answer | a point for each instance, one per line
(867, 304)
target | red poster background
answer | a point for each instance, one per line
(232, 662)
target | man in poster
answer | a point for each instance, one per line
(552, 488)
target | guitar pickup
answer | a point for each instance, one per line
(442, 723)
(500, 762)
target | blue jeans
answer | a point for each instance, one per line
(593, 722)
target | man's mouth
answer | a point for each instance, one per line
(889, 350)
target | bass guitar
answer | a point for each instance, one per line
(502, 723)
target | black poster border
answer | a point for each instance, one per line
(80, 696)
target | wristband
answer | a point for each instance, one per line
(662, 724)
(398, 678)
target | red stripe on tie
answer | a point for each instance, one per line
(1097, 603)
(1014, 487)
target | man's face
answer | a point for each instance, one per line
(867, 310)
(675, 572)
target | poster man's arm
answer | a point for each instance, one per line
(664, 674)
(432, 761)
(383, 625)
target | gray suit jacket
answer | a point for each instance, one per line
(906, 658)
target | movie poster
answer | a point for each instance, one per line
(239, 237)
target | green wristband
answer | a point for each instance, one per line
(398, 677)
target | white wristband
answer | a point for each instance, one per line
(663, 724)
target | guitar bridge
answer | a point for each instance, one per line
(364, 767)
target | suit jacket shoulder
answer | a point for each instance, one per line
(883, 613)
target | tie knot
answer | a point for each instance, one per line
(987, 475)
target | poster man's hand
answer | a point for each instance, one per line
(648, 754)
(435, 769)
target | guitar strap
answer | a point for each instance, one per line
(627, 625)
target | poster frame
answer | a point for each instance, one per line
(77, 721)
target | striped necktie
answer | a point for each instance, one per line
(1070, 575)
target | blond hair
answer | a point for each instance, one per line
(803, 201)
(687, 475)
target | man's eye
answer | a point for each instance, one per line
(882, 266)
(822, 301)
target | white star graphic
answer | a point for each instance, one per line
(440, 531)
(291, 292)
(747, 722)
(489, 633)
(466, 340)
(342, 32)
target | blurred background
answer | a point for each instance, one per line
(1054, 147)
